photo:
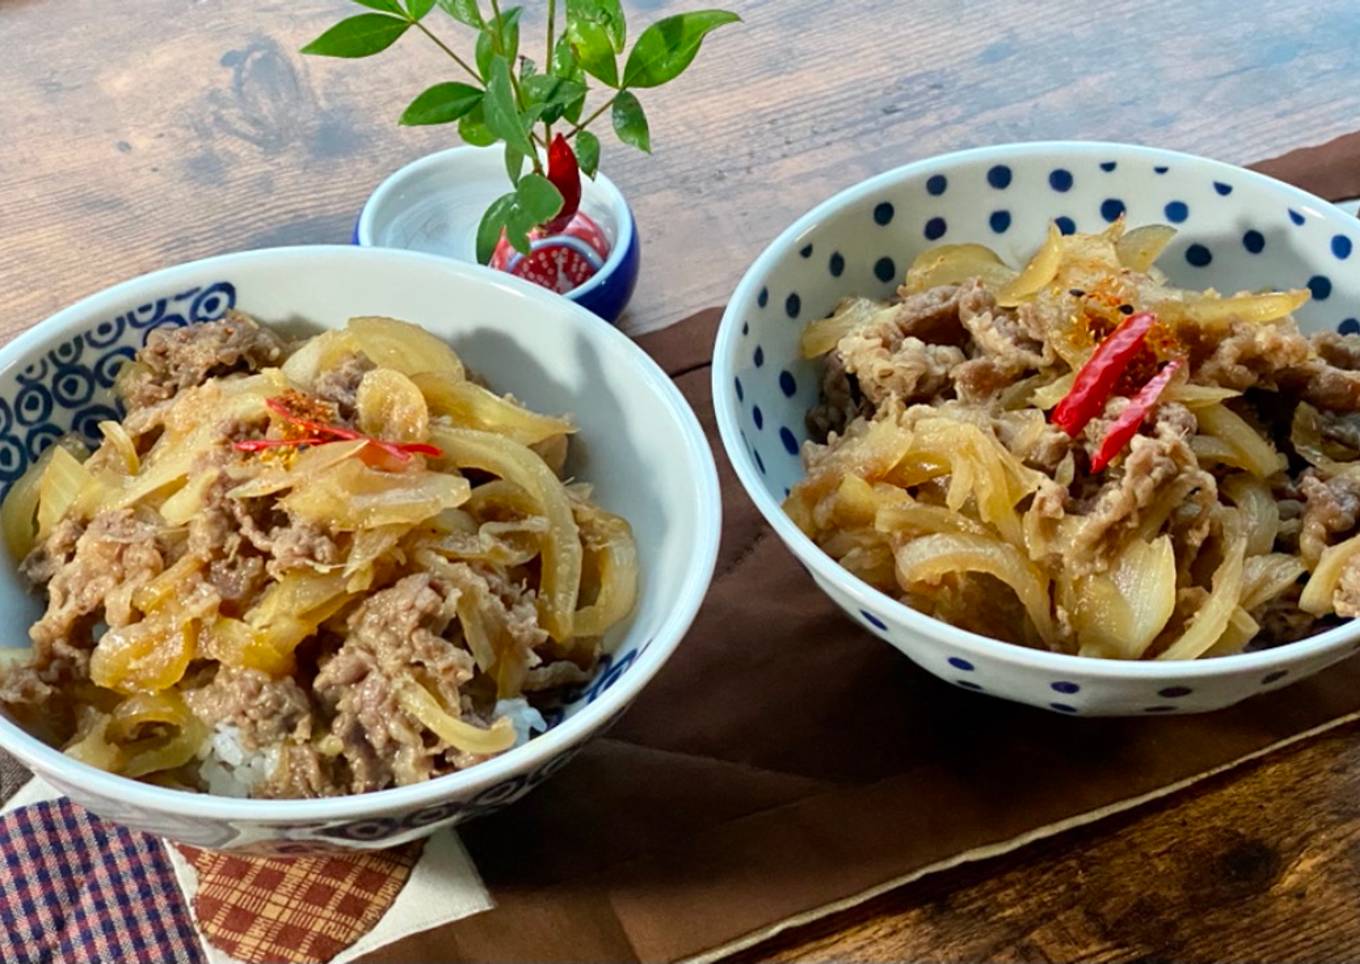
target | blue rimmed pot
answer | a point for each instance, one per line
(434, 205)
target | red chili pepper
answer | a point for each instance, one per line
(1096, 380)
(1125, 427)
(338, 433)
(565, 175)
(260, 444)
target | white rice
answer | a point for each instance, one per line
(525, 719)
(231, 770)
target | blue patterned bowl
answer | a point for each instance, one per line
(642, 448)
(1238, 230)
(434, 204)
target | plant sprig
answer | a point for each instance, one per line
(504, 97)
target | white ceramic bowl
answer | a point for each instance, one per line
(435, 203)
(1239, 230)
(640, 445)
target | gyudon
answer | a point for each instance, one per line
(1080, 457)
(311, 569)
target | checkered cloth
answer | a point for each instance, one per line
(78, 890)
(298, 909)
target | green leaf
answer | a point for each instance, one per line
(418, 8)
(493, 221)
(442, 104)
(361, 36)
(498, 106)
(630, 123)
(386, 6)
(473, 130)
(668, 46)
(588, 153)
(564, 61)
(607, 13)
(514, 164)
(464, 11)
(595, 51)
(553, 94)
(498, 36)
(539, 201)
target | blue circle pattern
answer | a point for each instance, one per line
(1111, 208)
(1065, 224)
(1000, 221)
(936, 185)
(1254, 241)
(1176, 211)
(1060, 180)
(999, 177)
(935, 229)
(66, 389)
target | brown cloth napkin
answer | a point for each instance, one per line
(786, 764)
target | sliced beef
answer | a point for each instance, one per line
(179, 358)
(117, 551)
(841, 403)
(998, 334)
(393, 635)
(909, 369)
(1331, 509)
(265, 710)
(1153, 464)
(339, 384)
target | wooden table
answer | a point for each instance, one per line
(139, 135)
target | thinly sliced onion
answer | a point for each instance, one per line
(1212, 619)
(1117, 614)
(1039, 272)
(951, 264)
(1316, 597)
(929, 558)
(459, 734)
(1259, 510)
(1253, 450)
(823, 335)
(1142, 246)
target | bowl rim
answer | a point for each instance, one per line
(452, 156)
(868, 598)
(653, 651)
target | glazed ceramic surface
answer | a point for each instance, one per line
(639, 444)
(1238, 231)
(434, 205)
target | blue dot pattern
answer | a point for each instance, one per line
(1111, 208)
(1175, 692)
(937, 184)
(884, 269)
(1065, 224)
(883, 213)
(790, 443)
(741, 395)
(1223, 189)
(1274, 677)
(836, 265)
(1320, 286)
(1062, 686)
(759, 356)
(763, 298)
(1341, 246)
(1108, 166)
(1176, 211)
(806, 251)
(759, 463)
(873, 620)
(1060, 180)
(1063, 707)
(1254, 241)
(787, 385)
(967, 684)
(1296, 217)
(958, 662)
(1351, 326)
(1198, 255)
(935, 229)
(1000, 221)
(1160, 169)
(793, 305)
(999, 177)
(758, 417)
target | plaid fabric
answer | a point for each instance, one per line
(12, 776)
(78, 890)
(298, 909)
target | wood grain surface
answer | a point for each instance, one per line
(138, 135)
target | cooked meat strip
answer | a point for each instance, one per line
(179, 358)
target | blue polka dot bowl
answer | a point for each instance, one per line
(1238, 231)
(640, 445)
